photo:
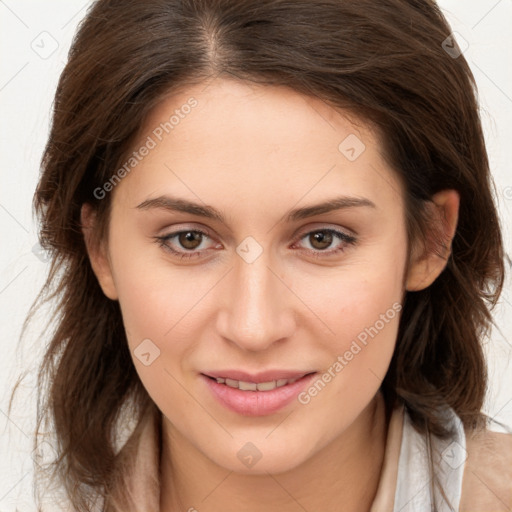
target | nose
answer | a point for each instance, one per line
(256, 310)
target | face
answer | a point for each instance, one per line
(258, 239)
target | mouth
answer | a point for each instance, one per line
(256, 395)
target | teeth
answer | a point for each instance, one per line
(266, 386)
(247, 386)
(232, 383)
(253, 386)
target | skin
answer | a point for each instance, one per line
(254, 153)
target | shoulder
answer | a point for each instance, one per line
(487, 478)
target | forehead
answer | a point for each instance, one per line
(254, 139)
(265, 116)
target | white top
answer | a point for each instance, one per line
(413, 490)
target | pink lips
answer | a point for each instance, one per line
(256, 403)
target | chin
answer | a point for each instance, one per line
(260, 457)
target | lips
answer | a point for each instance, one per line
(256, 394)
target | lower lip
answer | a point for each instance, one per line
(256, 403)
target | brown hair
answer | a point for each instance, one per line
(381, 60)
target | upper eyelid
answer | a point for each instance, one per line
(299, 232)
(325, 227)
(319, 226)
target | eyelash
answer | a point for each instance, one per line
(347, 239)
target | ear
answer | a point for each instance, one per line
(427, 263)
(97, 252)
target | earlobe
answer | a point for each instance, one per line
(427, 264)
(97, 252)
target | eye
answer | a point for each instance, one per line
(189, 243)
(186, 243)
(321, 239)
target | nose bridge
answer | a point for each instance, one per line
(258, 309)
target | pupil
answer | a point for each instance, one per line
(324, 238)
(189, 239)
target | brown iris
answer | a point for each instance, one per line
(190, 239)
(322, 238)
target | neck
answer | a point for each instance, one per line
(343, 475)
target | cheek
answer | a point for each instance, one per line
(365, 321)
(145, 305)
(153, 301)
(153, 295)
(361, 307)
(355, 297)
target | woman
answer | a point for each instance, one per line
(275, 251)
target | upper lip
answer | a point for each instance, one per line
(265, 376)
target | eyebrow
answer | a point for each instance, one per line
(185, 206)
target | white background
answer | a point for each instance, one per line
(34, 40)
